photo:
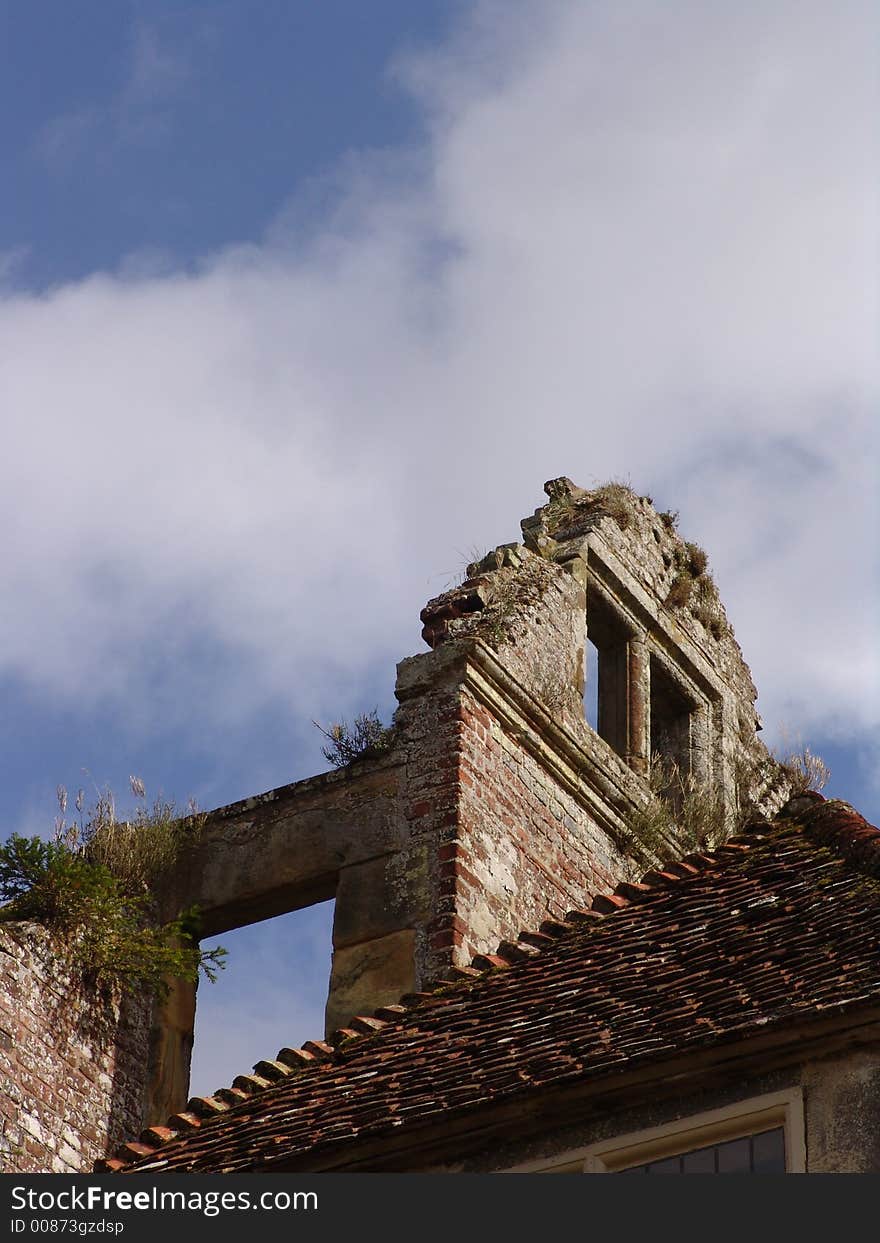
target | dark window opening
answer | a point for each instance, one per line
(752, 1154)
(271, 996)
(610, 640)
(671, 712)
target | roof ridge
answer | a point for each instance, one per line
(529, 944)
(836, 824)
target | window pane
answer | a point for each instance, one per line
(768, 1152)
(734, 1157)
(672, 1165)
(753, 1154)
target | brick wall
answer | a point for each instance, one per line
(506, 845)
(526, 849)
(72, 1063)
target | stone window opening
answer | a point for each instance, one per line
(606, 680)
(634, 700)
(591, 684)
(671, 721)
(253, 1002)
(272, 994)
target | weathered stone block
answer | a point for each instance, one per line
(381, 896)
(369, 975)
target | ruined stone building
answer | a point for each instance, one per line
(557, 947)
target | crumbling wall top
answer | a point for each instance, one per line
(673, 571)
(603, 564)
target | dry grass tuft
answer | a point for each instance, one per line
(803, 770)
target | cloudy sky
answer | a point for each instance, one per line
(299, 304)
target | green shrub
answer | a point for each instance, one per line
(46, 882)
(91, 888)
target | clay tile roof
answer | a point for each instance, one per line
(779, 927)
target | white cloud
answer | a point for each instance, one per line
(639, 241)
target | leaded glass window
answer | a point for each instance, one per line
(763, 1153)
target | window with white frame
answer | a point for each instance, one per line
(762, 1135)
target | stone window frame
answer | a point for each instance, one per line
(697, 707)
(612, 640)
(747, 1117)
(641, 643)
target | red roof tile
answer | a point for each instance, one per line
(781, 925)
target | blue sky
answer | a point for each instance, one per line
(299, 303)
(177, 128)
